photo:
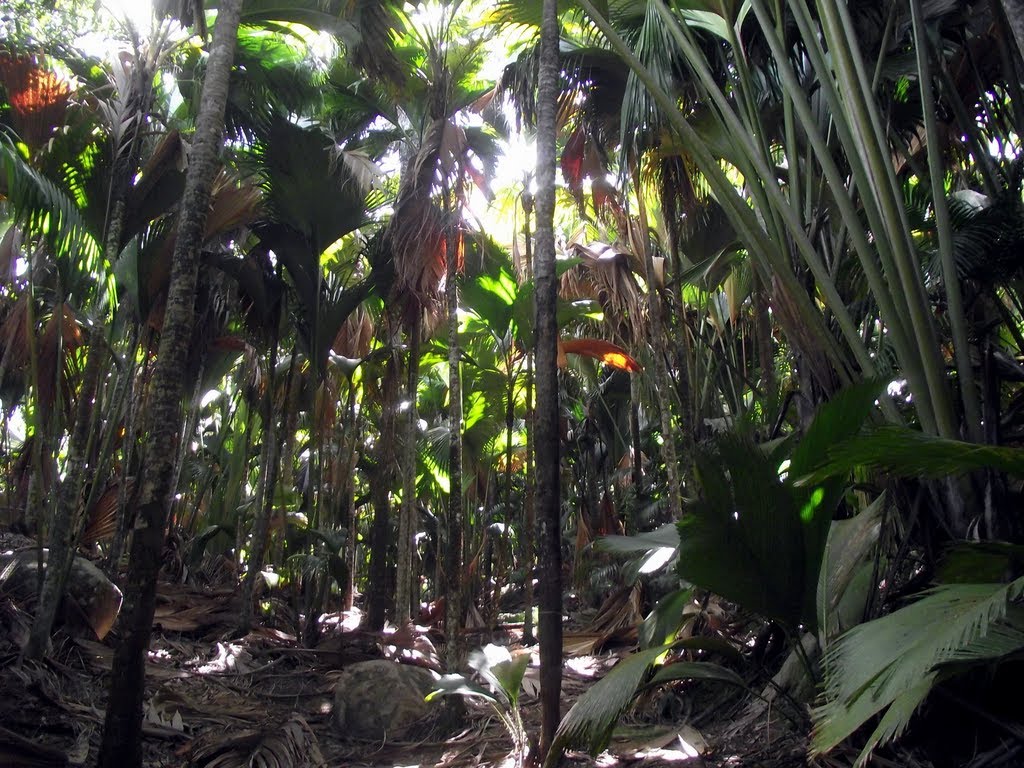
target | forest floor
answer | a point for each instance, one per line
(218, 702)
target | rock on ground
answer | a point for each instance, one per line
(383, 701)
(90, 598)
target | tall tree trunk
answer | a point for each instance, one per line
(636, 464)
(127, 492)
(344, 486)
(1014, 12)
(549, 550)
(68, 513)
(270, 467)
(121, 746)
(529, 530)
(381, 538)
(404, 591)
(662, 381)
(452, 588)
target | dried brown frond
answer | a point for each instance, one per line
(14, 347)
(56, 346)
(101, 521)
(233, 204)
(419, 244)
(355, 335)
(605, 275)
(289, 745)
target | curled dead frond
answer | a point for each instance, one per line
(233, 204)
(355, 335)
(101, 522)
(605, 275)
(289, 745)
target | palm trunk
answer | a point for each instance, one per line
(127, 497)
(452, 588)
(344, 486)
(529, 529)
(1014, 12)
(65, 531)
(122, 735)
(662, 381)
(404, 590)
(381, 537)
(549, 550)
(270, 467)
(636, 464)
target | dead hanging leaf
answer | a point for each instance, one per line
(361, 168)
(233, 204)
(572, 159)
(101, 524)
(484, 101)
(10, 252)
(291, 745)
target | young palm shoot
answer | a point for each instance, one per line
(503, 674)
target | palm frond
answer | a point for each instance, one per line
(590, 722)
(44, 210)
(696, 670)
(910, 453)
(666, 537)
(893, 662)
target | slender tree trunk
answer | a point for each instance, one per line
(452, 587)
(549, 550)
(127, 496)
(1014, 12)
(270, 467)
(121, 746)
(404, 590)
(663, 383)
(64, 531)
(636, 463)
(381, 537)
(529, 530)
(344, 486)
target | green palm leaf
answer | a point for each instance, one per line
(909, 453)
(696, 670)
(45, 210)
(892, 663)
(592, 718)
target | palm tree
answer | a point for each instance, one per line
(122, 745)
(548, 463)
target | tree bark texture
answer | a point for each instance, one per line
(121, 746)
(1014, 11)
(549, 550)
